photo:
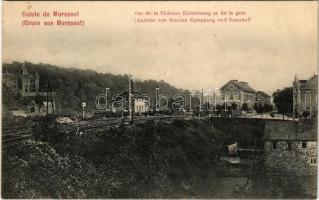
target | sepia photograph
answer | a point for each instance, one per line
(159, 100)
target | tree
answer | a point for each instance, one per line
(244, 107)
(72, 86)
(259, 108)
(267, 107)
(306, 113)
(283, 100)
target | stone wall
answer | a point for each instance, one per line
(295, 160)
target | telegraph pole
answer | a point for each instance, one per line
(130, 101)
(201, 102)
(225, 103)
(48, 97)
(157, 100)
(51, 98)
(83, 109)
(190, 103)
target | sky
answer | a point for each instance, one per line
(279, 42)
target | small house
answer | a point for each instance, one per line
(291, 146)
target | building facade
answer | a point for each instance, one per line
(262, 98)
(291, 147)
(25, 83)
(140, 106)
(10, 80)
(34, 109)
(305, 96)
(238, 93)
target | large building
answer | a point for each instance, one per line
(238, 93)
(10, 80)
(25, 83)
(305, 96)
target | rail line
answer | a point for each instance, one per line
(12, 137)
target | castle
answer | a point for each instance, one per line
(23, 82)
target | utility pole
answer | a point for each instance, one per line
(83, 109)
(190, 103)
(202, 99)
(48, 97)
(225, 103)
(215, 103)
(130, 101)
(157, 103)
(51, 98)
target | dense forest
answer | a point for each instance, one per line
(73, 86)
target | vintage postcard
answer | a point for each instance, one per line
(156, 99)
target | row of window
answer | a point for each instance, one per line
(139, 108)
(232, 96)
(308, 98)
(303, 145)
(313, 161)
(235, 96)
(12, 85)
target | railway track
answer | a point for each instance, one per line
(14, 137)
(91, 124)
(112, 122)
(11, 136)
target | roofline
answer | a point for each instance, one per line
(225, 85)
(262, 92)
(315, 76)
(231, 81)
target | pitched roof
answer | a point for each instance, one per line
(263, 93)
(311, 83)
(25, 71)
(241, 85)
(291, 130)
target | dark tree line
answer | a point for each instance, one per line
(73, 86)
(283, 100)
